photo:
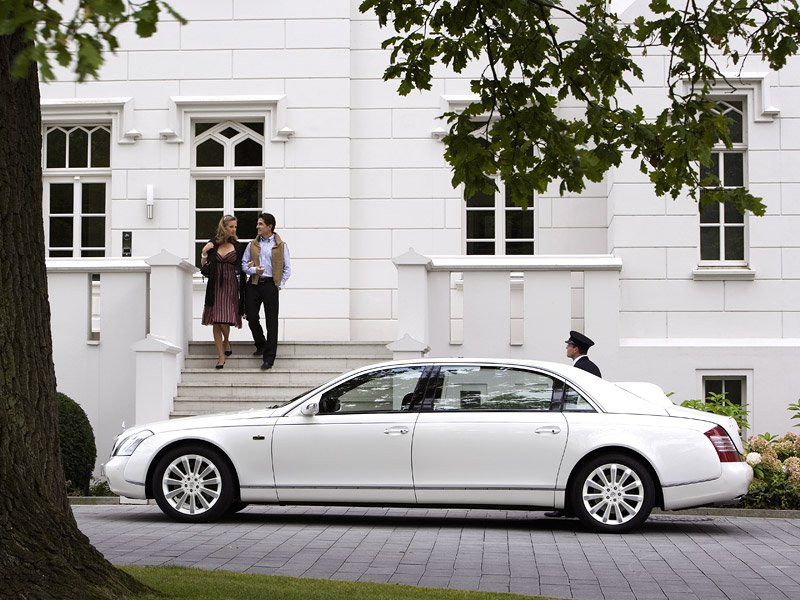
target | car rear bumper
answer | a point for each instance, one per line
(114, 471)
(730, 486)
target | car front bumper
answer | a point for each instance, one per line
(114, 471)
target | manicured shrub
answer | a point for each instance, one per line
(776, 471)
(78, 450)
(718, 404)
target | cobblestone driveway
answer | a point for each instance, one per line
(671, 557)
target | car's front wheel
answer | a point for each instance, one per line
(193, 484)
(613, 493)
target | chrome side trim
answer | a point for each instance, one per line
(671, 485)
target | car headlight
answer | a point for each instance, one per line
(125, 446)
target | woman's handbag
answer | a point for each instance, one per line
(205, 269)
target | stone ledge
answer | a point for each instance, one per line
(766, 513)
(98, 500)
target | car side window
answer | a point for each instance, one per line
(574, 402)
(389, 390)
(483, 388)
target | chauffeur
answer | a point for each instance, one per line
(577, 347)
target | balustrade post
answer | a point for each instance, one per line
(601, 317)
(412, 304)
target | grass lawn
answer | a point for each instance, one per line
(181, 583)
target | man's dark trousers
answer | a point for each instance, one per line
(266, 293)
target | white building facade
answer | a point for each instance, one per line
(280, 106)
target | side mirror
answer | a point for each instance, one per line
(310, 409)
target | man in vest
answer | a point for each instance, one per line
(266, 262)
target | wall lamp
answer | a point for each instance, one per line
(150, 202)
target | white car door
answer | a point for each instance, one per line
(357, 448)
(490, 438)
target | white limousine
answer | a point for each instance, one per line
(444, 432)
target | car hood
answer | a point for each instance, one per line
(202, 421)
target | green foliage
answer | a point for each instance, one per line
(718, 404)
(795, 408)
(78, 451)
(776, 471)
(530, 66)
(100, 487)
(77, 41)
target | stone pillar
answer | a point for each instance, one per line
(156, 380)
(412, 304)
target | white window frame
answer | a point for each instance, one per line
(721, 149)
(77, 182)
(457, 103)
(500, 237)
(228, 172)
(77, 177)
(755, 87)
(115, 113)
(184, 111)
(745, 375)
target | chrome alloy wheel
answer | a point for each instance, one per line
(613, 494)
(191, 484)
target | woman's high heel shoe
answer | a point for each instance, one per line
(220, 364)
(229, 351)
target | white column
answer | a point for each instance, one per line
(547, 315)
(171, 298)
(487, 313)
(601, 318)
(155, 379)
(412, 297)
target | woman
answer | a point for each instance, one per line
(222, 304)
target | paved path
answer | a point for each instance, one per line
(671, 557)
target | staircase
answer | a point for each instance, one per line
(242, 385)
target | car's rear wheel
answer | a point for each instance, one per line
(612, 493)
(193, 484)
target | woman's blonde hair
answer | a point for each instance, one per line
(222, 236)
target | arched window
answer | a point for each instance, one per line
(228, 176)
(77, 177)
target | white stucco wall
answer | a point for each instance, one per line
(362, 179)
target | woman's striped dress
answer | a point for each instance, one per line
(225, 309)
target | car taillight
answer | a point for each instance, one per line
(723, 444)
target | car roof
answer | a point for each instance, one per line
(609, 397)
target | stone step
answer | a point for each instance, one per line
(189, 407)
(253, 375)
(296, 349)
(242, 385)
(339, 364)
(277, 391)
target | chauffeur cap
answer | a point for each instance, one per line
(580, 340)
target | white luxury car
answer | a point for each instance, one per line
(444, 432)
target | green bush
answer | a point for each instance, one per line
(776, 471)
(100, 487)
(718, 404)
(78, 451)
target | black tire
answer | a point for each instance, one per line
(193, 484)
(236, 506)
(612, 493)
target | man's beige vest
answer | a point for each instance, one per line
(277, 260)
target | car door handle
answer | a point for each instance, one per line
(551, 429)
(396, 430)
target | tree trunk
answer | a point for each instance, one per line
(42, 552)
